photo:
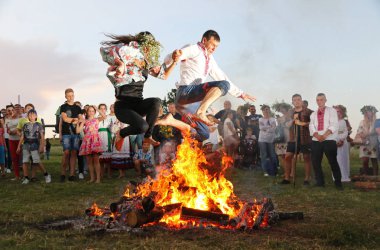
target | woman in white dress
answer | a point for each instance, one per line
(105, 135)
(343, 152)
(367, 136)
(123, 159)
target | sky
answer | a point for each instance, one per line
(270, 49)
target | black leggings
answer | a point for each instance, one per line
(131, 111)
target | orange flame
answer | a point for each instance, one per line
(96, 210)
(188, 182)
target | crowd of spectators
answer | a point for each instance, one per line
(267, 142)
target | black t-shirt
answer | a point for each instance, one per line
(133, 89)
(252, 122)
(222, 115)
(298, 127)
(72, 111)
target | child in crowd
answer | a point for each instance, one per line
(248, 149)
(91, 146)
(32, 143)
(143, 161)
(3, 148)
(167, 154)
(47, 149)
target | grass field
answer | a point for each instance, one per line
(348, 219)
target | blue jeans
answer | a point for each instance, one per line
(267, 152)
(189, 98)
(136, 140)
(70, 142)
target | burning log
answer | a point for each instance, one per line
(139, 217)
(238, 219)
(195, 214)
(267, 206)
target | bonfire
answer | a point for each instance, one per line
(189, 193)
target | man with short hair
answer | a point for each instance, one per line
(324, 130)
(299, 139)
(194, 94)
(70, 139)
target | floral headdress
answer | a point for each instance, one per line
(369, 108)
(151, 49)
(278, 105)
(342, 108)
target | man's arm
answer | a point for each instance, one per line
(18, 150)
(333, 123)
(188, 51)
(312, 129)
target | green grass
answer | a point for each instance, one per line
(348, 219)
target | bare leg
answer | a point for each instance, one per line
(25, 170)
(288, 165)
(65, 162)
(97, 167)
(307, 163)
(169, 120)
(212, 95)
(365, 162)
(73, 161)
(375, 166)
(150, 140)
(121, 173)
(90, 165)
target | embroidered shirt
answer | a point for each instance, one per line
(330, 122)
(321, 117)
(130, 56)
(197, 65)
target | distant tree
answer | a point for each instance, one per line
(170, 97)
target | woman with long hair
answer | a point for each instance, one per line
(343, 151)
(131, 60)
(367, 136)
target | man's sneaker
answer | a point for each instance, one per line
(306, 183)
(8, 171)
(48, 178)
(71, 178)
(285, 182)
(25, 181)
(62, 179)
(266, 175)
(81, 176)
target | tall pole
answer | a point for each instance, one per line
(18, 99)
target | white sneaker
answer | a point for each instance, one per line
(81, 176)
(8, 171)
(266, 175)
(25, 181)
(48, 178)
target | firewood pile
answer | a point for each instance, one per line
(366, 182)
(135, 212)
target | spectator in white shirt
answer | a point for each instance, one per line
(324, 130)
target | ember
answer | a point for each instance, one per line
(187, 195)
